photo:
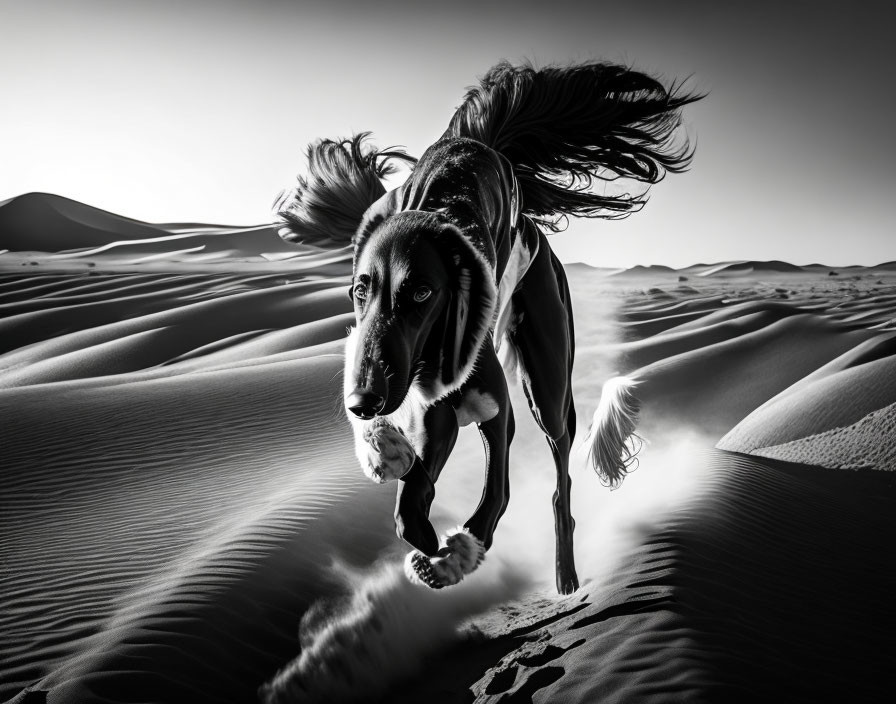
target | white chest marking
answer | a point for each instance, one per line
(476, 407)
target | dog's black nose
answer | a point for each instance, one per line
(364, 403)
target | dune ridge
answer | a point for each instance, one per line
(56, 233)
(49, 223)
(865, 444)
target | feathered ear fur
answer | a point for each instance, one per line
(471, 313)
(344, 179)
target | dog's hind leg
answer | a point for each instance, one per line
(544, 338)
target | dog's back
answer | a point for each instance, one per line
(473, 186)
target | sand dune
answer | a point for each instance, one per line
(845, 419)
(179, 492)
(748, 267)
(41, 229)
(640, 270)
(256, 505)
(168, 328)
(49, 223)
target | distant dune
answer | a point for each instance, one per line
(178, 491)
(749, 267)
(651, 270)
(48, 223)
(56, 232)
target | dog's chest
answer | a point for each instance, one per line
(476, 407)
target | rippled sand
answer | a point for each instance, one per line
(179, 488)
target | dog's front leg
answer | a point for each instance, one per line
(497, 433)
(432, 431)
(460, 552)
(482, 400)
(416, 492)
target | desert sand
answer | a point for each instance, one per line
(183, 518)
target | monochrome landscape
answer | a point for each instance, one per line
(180, 493)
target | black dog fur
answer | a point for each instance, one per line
(454, 267)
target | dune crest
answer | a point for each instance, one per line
(47, 230)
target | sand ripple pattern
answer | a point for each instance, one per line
(167, 439)
(177, 476)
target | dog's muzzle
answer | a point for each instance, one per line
(364, 403)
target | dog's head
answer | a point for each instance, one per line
(424, 304)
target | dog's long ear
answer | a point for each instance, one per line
(344, 179)
(471, 313)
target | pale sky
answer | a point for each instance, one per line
(200, 111)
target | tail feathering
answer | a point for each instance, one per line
(611, 440)
(567, 129)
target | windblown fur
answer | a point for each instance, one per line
(566, 128)
(344, 177)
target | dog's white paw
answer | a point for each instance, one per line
(387, 454)
(462, 554)
(468, 548)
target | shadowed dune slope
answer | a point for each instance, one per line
(170, 533)
(744, 372)
(738, 596)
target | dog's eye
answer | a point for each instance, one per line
(360, 292)
(422, 293)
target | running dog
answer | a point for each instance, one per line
(454, 268)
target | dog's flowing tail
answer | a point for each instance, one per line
(611, 442)
(345, 177)
(567, 129)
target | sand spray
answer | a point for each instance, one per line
(381, 631)
(383, 628)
